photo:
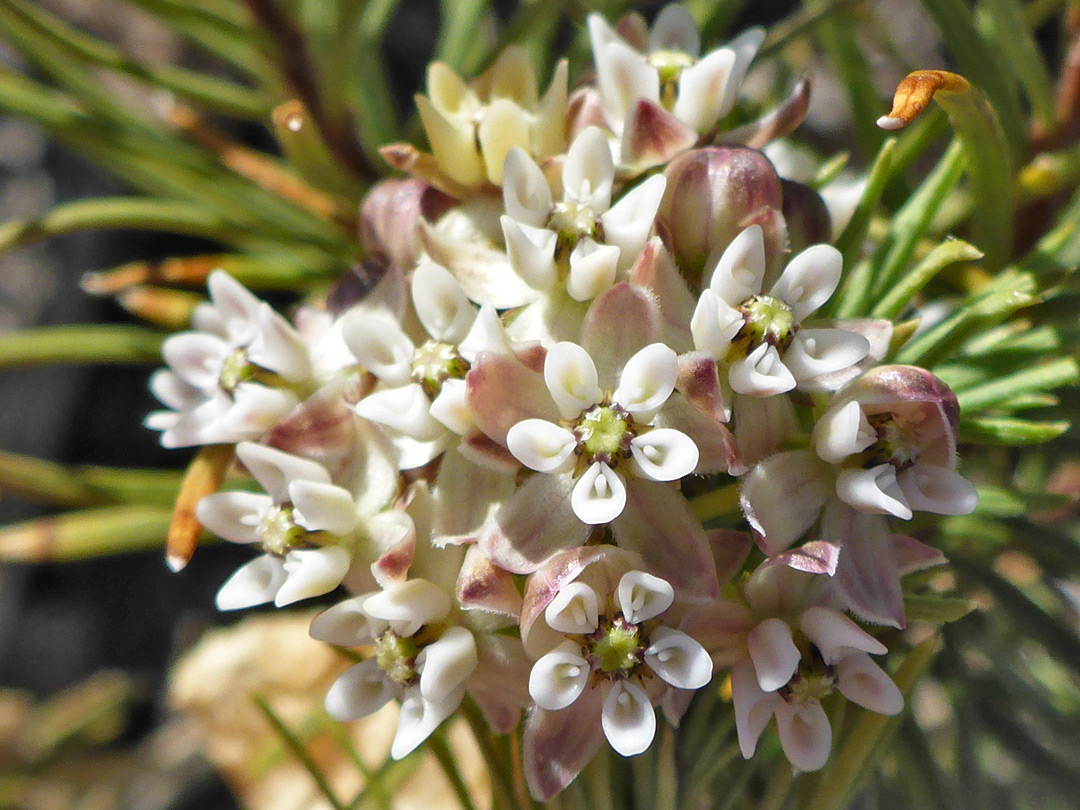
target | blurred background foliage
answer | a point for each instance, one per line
(145, 142)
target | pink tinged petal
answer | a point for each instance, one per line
(664, 454)
(868, 575)
(628, 718)
(409, 606)
(714, 442)
(753, 707)
(843, 432)
(574, 610)
(721, 627)
(256, 409)
(235, 304)
(805, 734)
(500, 683)
(531, 252)
(592, 269)
(714, 325)
(233, 515)
(762, 426)
(761, 374)
(444, 311)
(655, 270)
(682, 555)
(628, 224)
(487, 334)
(451, 407)
(344, 624)
(674, 29)
(559, 678)
(699, 382)
(254, 583)
(391, 541)
(361, 690)
(939, 490)
(535, 523)
(599, 495)
(621, 322)
(678, 659)
(589, 172)
(836, 636)
(809, 280)
(466, 495)
(571, 378)
(643, 596)
(526, 192)
(279, 347)
(773, 651)
(196, 358)
(542, 446)
(418, 720)
(651, 136)
(445, 664)
(730, 549)
(647, 380)
(544, 585)
(276, 470)
(779, 121)
(705, 94)
(739, 273)
(862, 681)
(913, 555)
(502, 127)
(623, 77)
(815, 352)
(783, 496)
(874, 490)
(379, 345)
(557, 745)
(312, 572)
(501, 391)
(406, 409)
(483, 586)
(815, 557)
(323, 507)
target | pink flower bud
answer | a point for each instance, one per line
(390, 217)
(806, 216)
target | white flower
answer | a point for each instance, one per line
(235, 377)
(608, 436)
(583, 237)
(760, 338)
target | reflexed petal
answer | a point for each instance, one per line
(814, 352)
(379, 345)
(835, 635)
(312, 572)
(256, 409)
(406, 409)
(761, 374)
(574, 610)
(344, 624)
(361, 690)
(441, 304)
(599, 495)
(623, 77)
(592, 269)
(418, 719)
(939, 490)
(773, 651)
(643, 596)
(842, 432)
(664, 454)
(486, 335)
(571, 378)
(805, 734)
(275, 469)
(628, 718)
(502, 127)
(647, 380)
(628, 224)
(714, 325)
(875, 490)
(862, 681)
(454, 146)
(513, 77)
(809, 280)
(678, 659)
(235, 304)
(559, 678)
(451, 96)
(782, 496)
(451, 408)
(741, 268)
(763, 424)
(705, 94)
(196, 358)
(589, 171)
(531, 252)
(526, 193)
(600, 33)
(753, 707)
(279, 347)
(254, 583)
(542, 446)
(323, 507)
(674, 29)
(651, 136)
(619, 323)
(445, 664)
(173, 392)
(233, 515)
(409, 606)
(867, 578)
(557, 745)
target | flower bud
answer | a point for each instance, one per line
(806, 215)
(390, 219)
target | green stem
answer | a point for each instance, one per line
(439, 746)
(67, 345)
(63, 485)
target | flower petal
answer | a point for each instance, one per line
(441, 304)
(526, 192)
(599, 495)
(874, 490)
(312, 572)
(542, 446)
(678, 659)
(741, 268)
(815, 352)
(323, 507)
(674, 29)
(714, 325)
(589, 172)
(763, 425)
(761, 374)
(623, 77)
(361, 690)
(278, 347)
(782, 497)
(705, 92)
(557, 745)
(592, 269)
(196, 357)
(619, 323)
(628, 718)
(531, 252)
(862, 681)
(647, 380)
(559, 678)
(406, 409)
(835, 635)
(256, 409)
(843, 432)
(664, 454)
(571, 378)
(643, 596)
(753, 707)
(773, 651)
(234, 516)
(235, 304)
(809, 280)
(409, 606)
(628, 224)
(445, 664)
(344, 624)
(574, 610)
(276, 470)
(451, 407)
(418, 720)
(928, 488)
(254, 583)
(501, 391)
(867, 576)
(379, 345)
(502, 127)
(805, 734)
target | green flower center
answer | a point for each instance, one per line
(604, 433)
(235, 370)
(768, 320)
(809, 685)
(396, 656)
(434, 363)
(670, 65)
(278, 531)
(615, 649)
(896, 443)
(572, 222)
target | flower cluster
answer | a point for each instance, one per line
(509, 431)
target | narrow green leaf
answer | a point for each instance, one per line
(440, 747)
(1046, 377)
(1000, 502)
(911, 283)
(850, 242)
(1009, 31)
(85, 534)
(1011, 432)
(67, 345)
(66, 485)
(462, 31)
(937, 610)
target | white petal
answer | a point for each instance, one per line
(741, 268)
(235, 305)
(643, 596)
(600, 33)
(835, 635)
(678, 659)
(773, 651)
(674, 29)
(542, 446)
(361, 690)
(526, 192)
(233, 515)
(874, 490)
(589, 171)
(714, 325)
(592, 269)
(344, 624)
(275, 469)
(418, 719)
(410, 605)
(278, 347)
(842, 432)
(939, 490)
(805, 734)
(173, 392)
(753, 707)
(623, 76)
(559, 677)
(486, 335)
(571, 378)
(647, 380)
(705, 92)
(406, 409)
(445, 664)
(809, 280)
(761, 373)
(196, 358)
(599, 495)
(441, 304)
(312, 572)
(379, 345)
(628, 224)
(814, 352)
(862, 681)
(574, 610)
(451, 407)
(256, 409)
(628, 718)
(254, 583)
(323, 507)
(664, 454)
(531, 252)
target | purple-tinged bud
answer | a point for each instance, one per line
(712, 195)
(390, 219)
(807, 216)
